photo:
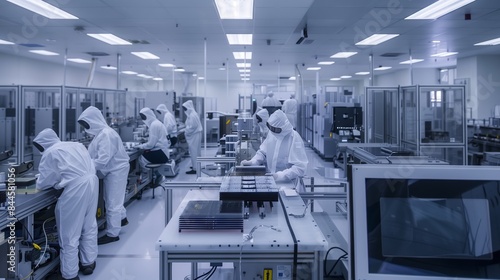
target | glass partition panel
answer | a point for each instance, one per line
(452, 155)
(442, 115)
(409, 115)
(382, 115)
(8, 125)
(72, 113)
(40, 111)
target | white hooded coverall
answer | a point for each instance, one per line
(168, 120)
(112, 161)
(270, 101)
(290, 109)
(157, 135)
(68, 166)
(264, 115)
(193, 132)
(283, 153)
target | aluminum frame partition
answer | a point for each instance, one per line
(375, 113)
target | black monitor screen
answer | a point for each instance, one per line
(430, 227)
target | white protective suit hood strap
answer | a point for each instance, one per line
(264, 115)
(162, 108)
(189, 106)
(46, 139)
(94, 118)
(150, 116)
(279, 119)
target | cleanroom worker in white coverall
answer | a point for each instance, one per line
(262, 116)
(68, 166)
(156, 149)
(169, 123)
(283, 150)
(193, 133)
(290, 109)
(270, 101)
(112, 164)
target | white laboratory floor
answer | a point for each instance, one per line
(134, 257)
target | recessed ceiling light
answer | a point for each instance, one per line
(335, 79)
(3, 42)
(43, 8)
(43, 52)
(345, 77)
(129, 72)
(201, 78)
(436, 41)
(179, 69)
(78, 60)
(343, 54)
(158, 79)
(195, 75)
(491, 42)
(235, 9)
(107, 67)
(292, 78)
(222, 68)
(242, 55)
(144, 76)
(382, 68)
(439, 8)
(245, 75)
(326, 62)
(239, 39)
(243, 65)
(376, 39)
(145, 55)
(362, 73)
(244, 70)
(245, 79)
(411, 61)
(109, 39)
(444, 54)
(313, 68)
(166, 65)
(443, 70)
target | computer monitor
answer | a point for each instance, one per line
(424, 222)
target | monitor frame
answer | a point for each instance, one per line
(357, 175)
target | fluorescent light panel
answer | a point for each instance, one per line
(243, 65)
(43, 8)
(109, 38)
(491, 42)
(78, 60)
(439, 8)
(232, 9)
(201, 78)
(313, 68)
(43, 52)
(245, 75)
(242, 55)
(145, 55)
(376, 39)
(239, 39)
(144, 76)
(179, 70)
(157, 79)
(244, 70)
(3, 42)
(292, 78)
(108, 67)
(411, 61)
(129, 72)
(166, 65)
(245, 79)
(444, 54)
(343, 54)
(335, 79)
(382, 68)
(326, 62)
(362, 73)
(345, 77)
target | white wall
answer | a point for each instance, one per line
(488, 85)
(421, 76)
(467, 69)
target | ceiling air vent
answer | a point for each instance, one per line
(307, 42)
(97, 53)
(284, 78)
(32, 45)
(391, 54)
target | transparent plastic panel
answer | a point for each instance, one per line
(452, 155)
(409, 115)
(382, 115)
(8, 123)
